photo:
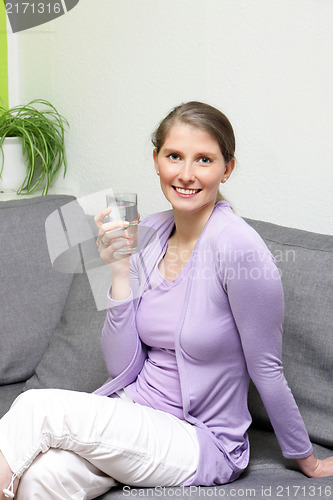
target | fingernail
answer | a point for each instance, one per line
(126, 224)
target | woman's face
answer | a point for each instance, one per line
(191, 167)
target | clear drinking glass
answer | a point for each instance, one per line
(125, 207)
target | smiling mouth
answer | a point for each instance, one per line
(186, 191)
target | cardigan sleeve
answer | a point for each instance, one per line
(120, 339)
(252, 282)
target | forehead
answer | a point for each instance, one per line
(182, 135)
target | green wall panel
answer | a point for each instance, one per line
(3, 55)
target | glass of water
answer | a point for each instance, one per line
(125, 207)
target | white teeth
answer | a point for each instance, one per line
(186, 191)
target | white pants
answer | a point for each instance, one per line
(74, 445)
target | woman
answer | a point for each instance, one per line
(195, 313)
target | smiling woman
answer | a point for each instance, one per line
(194, 154)
(192, 317)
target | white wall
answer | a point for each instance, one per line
(115, 68)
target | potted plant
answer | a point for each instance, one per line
(39, 134)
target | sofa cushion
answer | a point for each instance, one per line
(32, 293)
(73, 359)
(305, 261)
(269, 476)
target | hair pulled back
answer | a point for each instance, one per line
(203, 116)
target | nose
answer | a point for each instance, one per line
(186, 173)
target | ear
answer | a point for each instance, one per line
(155, 156)
(228, 169)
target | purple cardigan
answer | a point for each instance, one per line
(230, 330)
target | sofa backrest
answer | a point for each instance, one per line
(305, 261)
(32, 293)
(50, 327)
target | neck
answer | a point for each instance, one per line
(188, 227)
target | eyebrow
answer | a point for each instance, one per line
(211, 155)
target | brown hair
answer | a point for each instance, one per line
(204, 116)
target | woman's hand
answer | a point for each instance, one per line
(109, 240)
(313, 467)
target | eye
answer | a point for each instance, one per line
(174, 157)
(205, 160)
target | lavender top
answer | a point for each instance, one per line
(157, 318)
(230, 310)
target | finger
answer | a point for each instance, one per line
(111, 229)
(109, 238)
(108, 251)
(101, 243)
(111, 226)
(101, 239)
(121, 243)
(99, 218)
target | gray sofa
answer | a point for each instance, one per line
(50, 337)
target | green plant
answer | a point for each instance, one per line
(42, 132)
